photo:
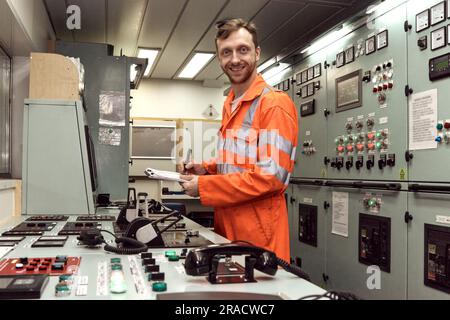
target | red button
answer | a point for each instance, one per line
(371, 136)
(340, 149)
(375, 89)
(390, 85)
(371, 146)
(385, 86)
(447, 125)
(360, 147)
(350, 148)
(380, 88)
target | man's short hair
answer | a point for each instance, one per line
(226, 26)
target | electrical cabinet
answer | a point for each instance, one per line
(307, 218)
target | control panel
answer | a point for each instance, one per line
(428, 94)
(437, 257)
(375, 241)
(307, 224)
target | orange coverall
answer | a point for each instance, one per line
(246, 182)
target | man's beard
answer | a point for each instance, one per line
(246, 76)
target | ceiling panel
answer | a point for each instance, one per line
(123, 25)
(306, 20)
(57, 11)
(93, 28)
(159, 21)
(197, 17)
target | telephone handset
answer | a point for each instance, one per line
(199, 261)
(204, 260)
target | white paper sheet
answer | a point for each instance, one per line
(340, 214)
(163, 175)
(423, 120)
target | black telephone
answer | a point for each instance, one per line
(204, 260)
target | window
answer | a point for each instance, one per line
(5, 114)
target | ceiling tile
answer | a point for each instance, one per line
(159, 21)
(124, 22)
(93, 15)
(197, 17)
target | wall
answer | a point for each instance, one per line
(171, 99)
(175, 99)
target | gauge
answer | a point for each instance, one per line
(437, 13)
(340, 59)
(438, 38)
(422, 20)
(304, 91)
(370, 45)
(310, 89)
(317, 70)
(382, 39)
(310, 73)
(304, 76)
(349, 54)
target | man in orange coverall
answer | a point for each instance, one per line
(256, 149)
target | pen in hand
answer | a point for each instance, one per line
(187, 160)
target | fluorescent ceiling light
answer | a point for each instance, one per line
(197, 62)
(266, 64)
(374, 8)
(326, 40)
(149, 54)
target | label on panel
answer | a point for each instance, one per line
(340, 214)
(422, 120)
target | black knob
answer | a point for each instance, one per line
(369, 164)
(381, 164)
(326, 112)
(408, 156)
(326, 161)
(378, 68)
(408, 217)
(326, 205)
(359, 164)
(348, 165)
(389, 64)
(391, 162)
(339, 165)
(333, 164)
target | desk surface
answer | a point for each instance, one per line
(284, 284)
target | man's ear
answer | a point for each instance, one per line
(258, 53)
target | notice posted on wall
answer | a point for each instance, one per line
(340, 214)
(109, 136)
(423, 120)
(112, 108)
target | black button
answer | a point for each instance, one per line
(152, 268)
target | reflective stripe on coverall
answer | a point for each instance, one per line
(256, 151)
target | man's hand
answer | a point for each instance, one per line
(191, 168)
(191, 186)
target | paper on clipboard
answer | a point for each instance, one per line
(163, 175)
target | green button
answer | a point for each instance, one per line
(159, 286)
(372, 202)
(115, 260)
(116, 267)
(174, 258)
(345, 140)
(170, 253)
(378, 145)
(439, 126)
(336, 140)
(378, 135)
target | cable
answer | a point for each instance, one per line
(292, 268)
(332, 295)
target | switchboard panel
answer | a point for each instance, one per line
(428, 85)
(366, 133)
(375, 241)
(307, 213)
(429, 242)
(310, 92)
(355, 251)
